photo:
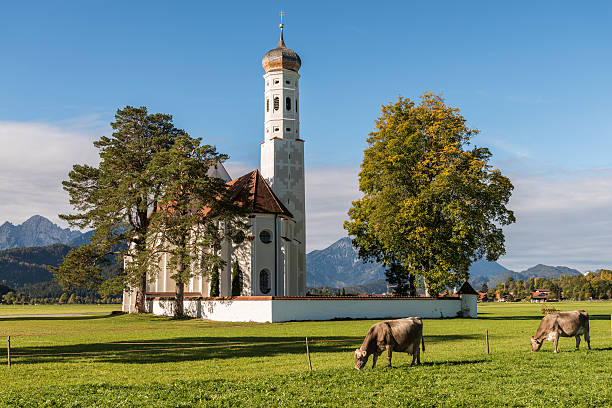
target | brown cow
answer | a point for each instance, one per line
(563, 324)
(391, 335)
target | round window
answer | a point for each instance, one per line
(265, 236)
(264, 281)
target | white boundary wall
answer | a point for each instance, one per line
(277, 309)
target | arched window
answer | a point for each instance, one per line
(265, 236)
(264, 281)
(288, 103)
(276, 103)
(267, 105)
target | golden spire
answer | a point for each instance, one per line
(281, 42)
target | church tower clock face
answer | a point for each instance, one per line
(282, 152)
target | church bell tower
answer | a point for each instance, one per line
(282, 152)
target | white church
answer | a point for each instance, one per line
(273, 257)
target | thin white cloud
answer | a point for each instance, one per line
(237, 169)
(562, 219)
(329, 193)
(34, 159)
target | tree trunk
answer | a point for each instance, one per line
(139, 306)
(412, 290)
(179, 299)
(425, 269)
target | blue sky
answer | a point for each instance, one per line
(533, 77)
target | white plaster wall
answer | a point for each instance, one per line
(266, 253)
(193, 308)
(282, 166)
(280, 310)
(469, 304)
(285, 310)
(243, 253)
(237, 311)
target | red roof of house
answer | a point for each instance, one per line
(252, 192)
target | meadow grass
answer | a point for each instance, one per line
(7, 310)
(124, 361)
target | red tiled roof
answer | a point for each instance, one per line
(252, 192)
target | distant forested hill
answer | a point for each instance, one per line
(26, 270)
(538, 271)
(21, 266)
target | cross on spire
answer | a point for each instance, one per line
(282, 14)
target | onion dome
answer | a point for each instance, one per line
(281, 57)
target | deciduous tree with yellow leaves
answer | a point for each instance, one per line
(432, 204)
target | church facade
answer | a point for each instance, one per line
(272, 259)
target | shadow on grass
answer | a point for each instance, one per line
(441, 338)
(452, 362)
(195, 349)
(383, 361)
(57, 318)
(536, 317)
(180, 349)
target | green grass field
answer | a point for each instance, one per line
(125, 361)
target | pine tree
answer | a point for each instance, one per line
(236, 280)
(116, 199)
(214, 283)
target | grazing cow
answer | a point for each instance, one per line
(563, 324)
(391, 335)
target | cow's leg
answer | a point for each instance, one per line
(418, 354)
(389, 353)
(374, 358)
(578, 342)
(556, 342)
(587, 338)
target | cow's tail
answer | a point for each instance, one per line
(423, 343)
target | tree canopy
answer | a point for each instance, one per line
(116, 197)
(195, 214)
(432, 204)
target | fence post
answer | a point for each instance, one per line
(487, 340)
(308, 353)
(8, 351)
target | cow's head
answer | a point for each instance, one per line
(535, 344)
(361, 358)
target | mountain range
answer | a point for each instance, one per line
(38, 231)
(339, 266)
